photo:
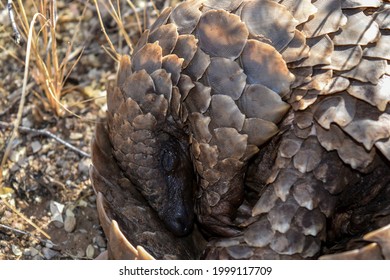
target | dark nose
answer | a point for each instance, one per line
(180, 224)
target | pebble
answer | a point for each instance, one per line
(33, 251)
(69, 212)
(26, 122)
(49, 253)
(76, 135)
(36, 146)
(90, 251)
(70, 223)
(4, 18)
(15, 249)
(58, 224)
(49, 244)
(27, 252)
(18, 155)
(99, 240)
(83, 166)
(82, 203)
(80, 253)
(56, 210)
(92, 198)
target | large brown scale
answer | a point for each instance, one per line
(266, 123)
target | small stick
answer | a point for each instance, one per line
(26, 219)
(27, 233)
(16, 34)
(47, 134)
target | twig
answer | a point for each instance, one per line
(16, 34)
(27, 233)
(25, 218)
(47, 134)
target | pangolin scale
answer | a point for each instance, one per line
(250, 129)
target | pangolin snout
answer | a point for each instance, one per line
(180, 223)
(177, 203)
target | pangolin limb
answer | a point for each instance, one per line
(256, 117)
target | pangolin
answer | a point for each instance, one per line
(250, 129)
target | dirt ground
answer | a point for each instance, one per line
(43, 181)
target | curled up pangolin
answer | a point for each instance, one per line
(250, 129)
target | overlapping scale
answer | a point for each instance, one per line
(349, 4)
(296, 49)
(148, 58)
(352, 33)
(270, 20)
(264, 65)
(321, 49)
(226, 77)
(166, 35)
(345, 57)
(186, 16)
(221, 34)
(328, 19)
(256, 103)
(301, 10)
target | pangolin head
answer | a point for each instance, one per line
(150, 147)
(198, 93)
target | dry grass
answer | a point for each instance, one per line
(120, 12)
(49, 67)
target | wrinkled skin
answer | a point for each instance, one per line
(266, 113)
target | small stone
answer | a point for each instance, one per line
(80, 253)
(49, 244)
(56, 210)
(69, 212)
(58, 224)
(90, 251)
(26, 122)
(37, 258)
(92, 198)
(99, 240)
(70, 223)
(33, 251)
(83, 166)
(82, 203)
(49, 253)
(76, 135)
(18, 155)
(27, 252)
(36, 146)
(15, 249)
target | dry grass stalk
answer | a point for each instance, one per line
(42, 51)
(114, 10)
(26, 219)
(50, 69)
